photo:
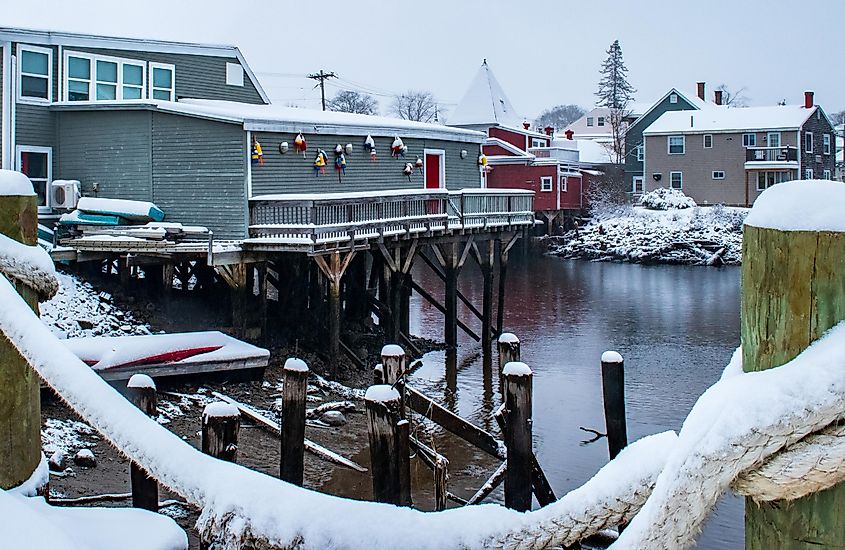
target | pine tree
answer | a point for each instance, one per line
(614, 90)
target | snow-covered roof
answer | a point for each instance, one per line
(589, 151)
(273, 118)
(692, 99)
(79, 40)
(724, 119)
(485, 102)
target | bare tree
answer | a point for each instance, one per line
(415, 105)
(559, 116)
(618, 119)
(838, 118)
(733, 99)
(349, 101)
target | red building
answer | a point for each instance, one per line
(557, 170)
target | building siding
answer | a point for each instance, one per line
(818, 125)
(199, 173)
(634, 135)
(109, 148)
(526, 176)
(698, 163)
(514, 138)
(291, 173)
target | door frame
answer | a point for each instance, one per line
(442, 175)
(38, 149)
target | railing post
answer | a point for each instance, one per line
(613, 393)
(141, 391)
(518, 381)
(20, 401)
(793, 291)
(292, 467)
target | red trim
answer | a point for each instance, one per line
(168, 357)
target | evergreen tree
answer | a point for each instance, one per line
(614, 90)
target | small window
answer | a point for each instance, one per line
(545, 183)
(36, 163)
(708, 141)
(673, 98)
(535, 142)
(78, 78)
(826, 144)
(808, 142)
(234, 74)
(808, 174)
(676, 145)
(637, 184)
(773, 139)
(162, 82)
(718, 174)
(640, 153)
(826, 174)
(562, 184)
(589, 121)
(601, 121)
(676, 180)
(35, 74)
(749, 140)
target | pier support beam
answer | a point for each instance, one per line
(485, 255)
(333, 270)
(505, 244)
(397, 263)
(451, 257)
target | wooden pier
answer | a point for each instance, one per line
(329, 258)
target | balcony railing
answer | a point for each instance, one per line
(771, 154)
(354, 218)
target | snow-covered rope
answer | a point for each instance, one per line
(736, 426)
(30, 265)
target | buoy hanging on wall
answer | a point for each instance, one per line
(300, 144)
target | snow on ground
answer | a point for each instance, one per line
(688, 236)
(79, 310)
(66, 436)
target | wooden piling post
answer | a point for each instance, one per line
(403, 452)
(292, 467)
(141, 391)
(333, 270)
(450, 301)
(793, 290)
(518, 382)
(220, 425)
(509, 350)
(20, 402)
(613, 392)
(440, 478)
(382, 404)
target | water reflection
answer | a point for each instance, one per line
(675, 326)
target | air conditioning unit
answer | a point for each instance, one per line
(64, 194)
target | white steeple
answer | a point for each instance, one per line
(485, 103)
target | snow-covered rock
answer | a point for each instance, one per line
(85, 458)
(663, 198)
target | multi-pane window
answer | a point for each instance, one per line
(562, 184)
(637, 185)
(808, 174)
(601, 121)
(35, 74)
(91, 77)
(676, 145)
(808, 142)
(676, 180)
(708, 141)
(826, 144)
(749, 140)
(535, 142)
(673, 98)
(773, 139)
(545, 183)
(35, 163)
(826, 174)
(162, 82)
(640, 153)
(589, 121)
(718, 174)
(768, 179)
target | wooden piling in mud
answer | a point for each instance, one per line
(382, 404)
(292, 461)
(221, 422)
(141, 391)
(518, 418)
(613, 393)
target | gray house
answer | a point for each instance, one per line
(177, 124)
(673, 100)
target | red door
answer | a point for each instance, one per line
(432, 172)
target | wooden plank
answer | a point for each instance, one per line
(455, 424)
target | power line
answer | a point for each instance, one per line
(322, 77)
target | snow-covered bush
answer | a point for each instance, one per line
(663, 198)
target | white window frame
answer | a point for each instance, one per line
(546, 180)
(234, 74)
(538, 142)
(680, 179)
(590, 121)
(562, 184)
(442, 154)
(808, 173)
(34, 100)
(769, 139)
(92, 82)
(634, 184)
(809, 141)
(683, 144)
(749, 135)
(150, 80)
(826, 144)
(38, 149)
(600, 121)
(704, 140)
(826, 174)
(673, 98)
(717, 177)
(641, 152)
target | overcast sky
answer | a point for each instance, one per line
(543, 53)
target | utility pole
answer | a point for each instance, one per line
(322, 77)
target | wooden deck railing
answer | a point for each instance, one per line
(343, 217)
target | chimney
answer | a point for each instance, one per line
(569, 134)
(526, 125)
(701, 91)
(808, 99)
(718, 94)
(549, 130)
